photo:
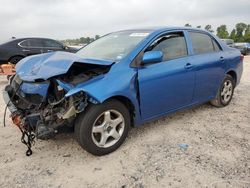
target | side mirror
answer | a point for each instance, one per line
(152, 57)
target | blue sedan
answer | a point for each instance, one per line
(123, 79)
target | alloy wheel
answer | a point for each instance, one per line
(108, 128)
(227, 91)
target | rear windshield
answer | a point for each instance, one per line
(6, 41)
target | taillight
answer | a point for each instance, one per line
(241, 57)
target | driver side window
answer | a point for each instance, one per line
(172, 45)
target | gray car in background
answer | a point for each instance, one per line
(243, 47)
(229, 42)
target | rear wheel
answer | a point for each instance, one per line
(225, 92)
(102, 128)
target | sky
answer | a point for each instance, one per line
(63, 19)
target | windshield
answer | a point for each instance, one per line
(114, 46)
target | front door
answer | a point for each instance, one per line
(168, 85)
(31, 47)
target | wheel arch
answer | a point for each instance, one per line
(128, 103)
(22, 56)
(233, 74)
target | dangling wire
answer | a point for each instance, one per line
(4, 115)
(28, 141)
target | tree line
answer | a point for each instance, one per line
(80, 41)
(240, 33)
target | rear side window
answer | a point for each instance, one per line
(36, 43)
(172, 45)
(24, 43)
(51, 44)
(202, 43)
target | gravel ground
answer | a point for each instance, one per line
(218, 153)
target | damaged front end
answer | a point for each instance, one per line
(41, 106)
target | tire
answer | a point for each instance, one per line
(14, 60)
(224, 95)
(93, 125)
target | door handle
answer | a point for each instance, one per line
(25, 50)
(189, 66)
(222, 58)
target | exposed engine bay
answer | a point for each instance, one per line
(41, 107)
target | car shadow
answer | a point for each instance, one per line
(169, 118)
(67, 133)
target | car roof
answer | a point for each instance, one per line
(227, 39)
(17, 40)
(26, 38)
(241, 43)
(161, 28)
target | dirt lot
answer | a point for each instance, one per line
(218, 154)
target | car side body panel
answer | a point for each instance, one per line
(200, 84)
(161, 88)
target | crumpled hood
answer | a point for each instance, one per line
(47, 65)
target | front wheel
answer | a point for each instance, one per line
(225, 92)
(102, 128)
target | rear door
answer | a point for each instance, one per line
(31, 46)
(52, 45)
(209, 61)
(167, 85)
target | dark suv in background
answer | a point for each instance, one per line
(14, 50)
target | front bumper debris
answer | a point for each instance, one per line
(28, 136)
(12, 108)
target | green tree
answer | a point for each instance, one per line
(222, 32)
(247, 34)
(78, 41)
(233, 35)
(187, 25)
(82, 40)
(240, 28)
(198, 27)
(209, 28)
(97, 37)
